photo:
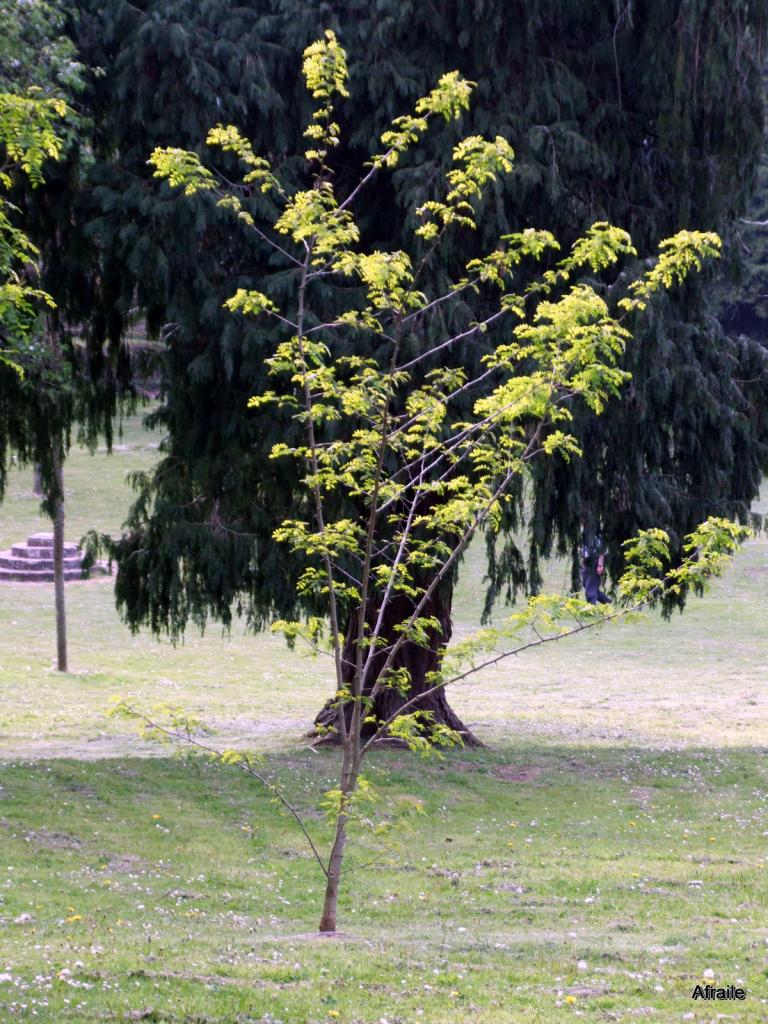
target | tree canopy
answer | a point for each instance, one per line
(635, 116)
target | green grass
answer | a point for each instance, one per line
(179, 888)
(616, 820)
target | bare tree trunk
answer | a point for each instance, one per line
(420, 662)
(330, 903)
(58, 562)
(350, 773)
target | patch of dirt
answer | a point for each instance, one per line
(240, 733)
(584, 991)
(519, 773)
(53, 840)
(205, 979)
(180, 894)
(81, 788)
(464, 766)
(622, 926)
(125, 863)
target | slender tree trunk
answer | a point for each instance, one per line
(350, 772)
(331, 901)
(58, 562)
(420, 661)
(37, 484)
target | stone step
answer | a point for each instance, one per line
(35, 575)
(25, 550)
(8, 561)
(40, 540)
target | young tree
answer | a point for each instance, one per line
(398, 471)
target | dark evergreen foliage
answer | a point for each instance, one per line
(645, 114)
(76, 371)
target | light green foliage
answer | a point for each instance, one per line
(30, 134)
(423, 735)
(335, 801)
(397, 483)
(325, 73)
(182, 169)
(647, 580)
(385, 276)
(707, 550)
(30, 128)
(678, 256)
(497, 266)
(448, 99)
(310, 630)
(249, 302)
(229, 139)
(601, 247)
(314, 216)
(325, 68)
(479, 162)
(162, 722)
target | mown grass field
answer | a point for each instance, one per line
(606, 851)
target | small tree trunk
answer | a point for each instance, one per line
(330, 903)
(420, 661)
(37, 483)
(350, 773)
(58, 563)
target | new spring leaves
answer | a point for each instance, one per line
(414, 435)
(392, 434)
(30, 134)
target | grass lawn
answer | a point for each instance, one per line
(606, 851)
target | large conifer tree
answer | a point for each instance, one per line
(647, 115)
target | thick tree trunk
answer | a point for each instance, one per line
(420, 661)
(58, 565)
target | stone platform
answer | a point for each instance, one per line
(32, 561)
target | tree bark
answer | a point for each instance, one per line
(58, 562)
(331, 900)
(419, 661)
